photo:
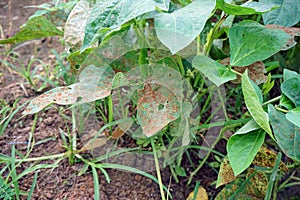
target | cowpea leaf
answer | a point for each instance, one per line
(294, 116)
(163, 4)
(94, 83)
(288, 14)
(242, 149)
(213, 70)
(178, 29)
(253, 104)
(109, 15)
(286, 133)
(291, 89)
(248, 8)
(251, 42)
(35, 28)
(74, 27)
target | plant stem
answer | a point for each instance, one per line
(207, 155)
(272, 100)
(158, 170)
(208, 45)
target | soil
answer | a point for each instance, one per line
(63, 182)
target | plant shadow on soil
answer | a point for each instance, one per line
(63, 181)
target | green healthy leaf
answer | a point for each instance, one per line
(74, 27)
(286, 133)
(251, 42)
(95, 83)
(243, 148)
(163, 4)
(37, 27)
(288, 74)
(248, 8)
(213, 70)
(178, 29)
(287, 15)
(109, 15)
(248, 127)
(294, 116)
(253, 104)
(291, 89)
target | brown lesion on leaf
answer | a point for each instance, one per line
(256, 71)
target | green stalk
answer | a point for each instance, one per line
(213, 32)
(207, 155)
(158, 170)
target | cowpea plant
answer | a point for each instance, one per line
(99, 32)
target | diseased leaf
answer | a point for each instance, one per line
(242, 150)
(201, 195)
(94, 83)
(178, 29)
(294, 116)
(251, 42)
(256, 71)
(267, 158)
(253, 104)
(291, 31)
(37, 27)
(157, 106)
(291, 89)
(236, 190)
(226, 174)
(288, 14)
(248, 8)
(74, 27)
(258, 183)
(286, 133)
(109, 15)
(214, 71)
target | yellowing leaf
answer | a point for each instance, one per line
(267, 158)
(258, 183)
(95, 83)
(226, 174)
(157, 106)
(201, 195)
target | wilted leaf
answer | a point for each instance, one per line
(214, 71)
(291, 89)
(267, 158)
(157, 106)
(74, 27)
(288, 14)
(294, 116)
(289, 30)
(286, 133)
(94, 143)
(256, 71)
(201, 195)
(257, 185)
(108, 15)
(248, 8)
(253, 104)
(251, 42)
(236, 190)
(226, 174)
(242, 150)
(37, 27)
(94, 83)
(178, 29)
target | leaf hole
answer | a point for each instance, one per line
(79, 99)
(161, 106)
